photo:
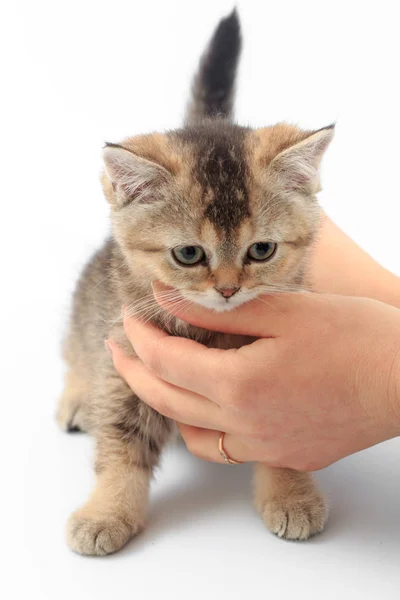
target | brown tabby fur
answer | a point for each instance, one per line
(224, 187)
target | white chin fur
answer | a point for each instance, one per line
(218, 303)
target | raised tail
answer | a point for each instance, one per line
(214, 84)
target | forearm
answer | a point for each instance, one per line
(340, 266)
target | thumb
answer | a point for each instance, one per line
(262, 317)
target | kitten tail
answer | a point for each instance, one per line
(214, 84)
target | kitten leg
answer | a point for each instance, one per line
(116, 510)
(130, 436)
(72, 406)
(289, 502)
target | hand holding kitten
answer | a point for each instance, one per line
(322, 382)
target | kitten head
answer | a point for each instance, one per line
(221, 212)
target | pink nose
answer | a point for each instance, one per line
(227, 292)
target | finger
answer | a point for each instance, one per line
(204, 444)
(180, 361)
(265, 316)
(169, 400)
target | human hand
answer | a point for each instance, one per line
(322, 382)
(335, 259)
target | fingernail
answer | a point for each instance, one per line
(108, 347)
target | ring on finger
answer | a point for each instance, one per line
(228, 459)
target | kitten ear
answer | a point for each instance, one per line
(297, 167)
(132, 177)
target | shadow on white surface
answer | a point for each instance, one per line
(204, 538)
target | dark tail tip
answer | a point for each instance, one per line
(229, 26)
(214, 85)
(228, 31)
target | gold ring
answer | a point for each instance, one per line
(224, 454)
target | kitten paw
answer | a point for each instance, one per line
(98, 537)
(294, 518)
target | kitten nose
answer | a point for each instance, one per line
(227, 292)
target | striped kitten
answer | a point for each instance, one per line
(222, 213)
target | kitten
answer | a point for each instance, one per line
(222, 213)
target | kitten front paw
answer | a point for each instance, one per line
(296, 518)
(96, 536)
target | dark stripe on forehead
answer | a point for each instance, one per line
(221, 169)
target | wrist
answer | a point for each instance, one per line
(339, 266)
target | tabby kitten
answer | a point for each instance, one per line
(222, 213)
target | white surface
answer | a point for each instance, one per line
(76, 74)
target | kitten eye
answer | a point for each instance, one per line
(262, 250)
(188, 255)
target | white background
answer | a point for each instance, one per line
(75, 74)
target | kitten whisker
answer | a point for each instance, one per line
(270, 305)
(285, 289)
(149, 312)
(125, 262)
(145, 303)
